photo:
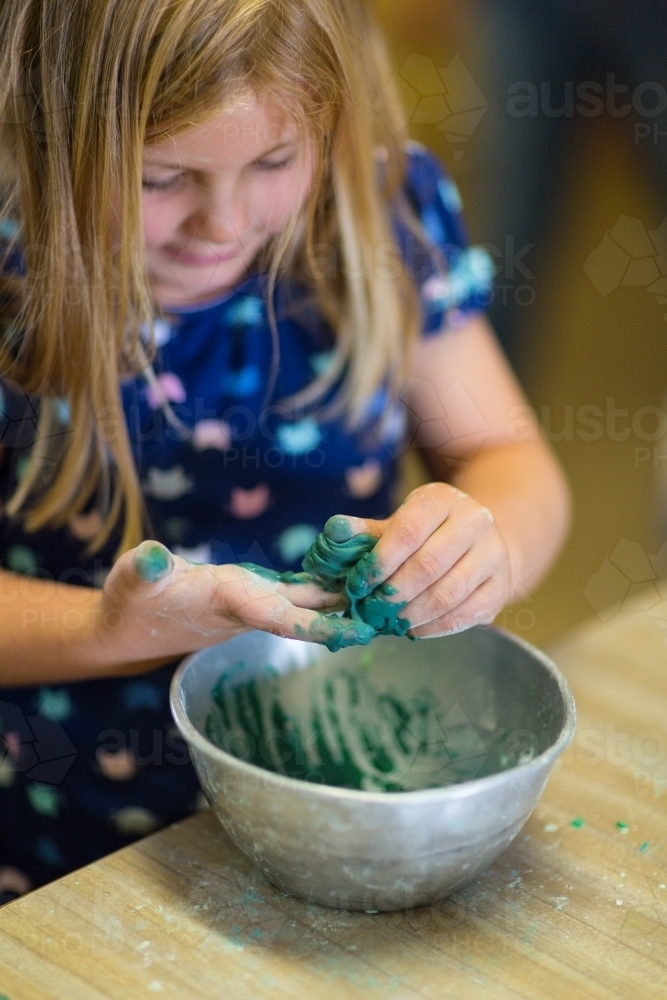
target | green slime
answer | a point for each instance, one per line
(336, 728)
(336, 562)
(153, 561)
(334, 632)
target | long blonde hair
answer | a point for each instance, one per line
(86, 86)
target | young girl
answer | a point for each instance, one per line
(232, 294)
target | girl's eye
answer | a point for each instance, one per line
(160, 185)
(267, 165)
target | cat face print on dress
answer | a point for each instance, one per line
(168, 484)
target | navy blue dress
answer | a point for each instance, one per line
(86, 768)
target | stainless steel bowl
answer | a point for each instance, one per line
(481, 715)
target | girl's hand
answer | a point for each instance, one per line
(442, 553)
(155, 604)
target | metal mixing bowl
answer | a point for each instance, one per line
(480, 715)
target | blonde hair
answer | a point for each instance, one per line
(86, 86)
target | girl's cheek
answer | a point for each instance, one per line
(283, 198)
(159, 225)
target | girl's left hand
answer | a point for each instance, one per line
(443, 553)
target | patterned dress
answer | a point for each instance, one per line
(86, 768)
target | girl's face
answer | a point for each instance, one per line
(214, 194)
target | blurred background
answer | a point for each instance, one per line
(552, 119)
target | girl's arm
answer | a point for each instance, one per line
(495, 453)
(487, 529)
(154, 608)
(49, 633)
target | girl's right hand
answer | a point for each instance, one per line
(158, 605)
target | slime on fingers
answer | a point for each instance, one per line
(339, 559)
(275, 577)
(335, 633)
(153, 561)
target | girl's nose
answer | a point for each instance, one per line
(219, 217)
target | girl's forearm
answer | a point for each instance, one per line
(48, 634)
(525, 490)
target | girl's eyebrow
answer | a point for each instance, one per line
(179, 166)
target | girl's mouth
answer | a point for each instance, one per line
(197, 260)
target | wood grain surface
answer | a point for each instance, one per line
(568, 912)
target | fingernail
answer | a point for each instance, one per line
(338, 529)
(153, 561)
(358, 634)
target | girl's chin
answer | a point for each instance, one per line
(187, 285)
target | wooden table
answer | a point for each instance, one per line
(569, 912)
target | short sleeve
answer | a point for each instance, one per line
(454, 278)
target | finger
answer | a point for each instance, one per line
(480, 608)
(441, 551)
(282, 618)
(153, 561)
(300, 588)
(145, 571)
(258, 604)
(451, 590)
(421, 514)
(337, 549)
(310, 595)
(341, 528)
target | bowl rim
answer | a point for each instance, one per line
(459, 790)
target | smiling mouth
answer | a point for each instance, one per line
(183, 257)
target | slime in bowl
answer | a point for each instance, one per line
(378, 778)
